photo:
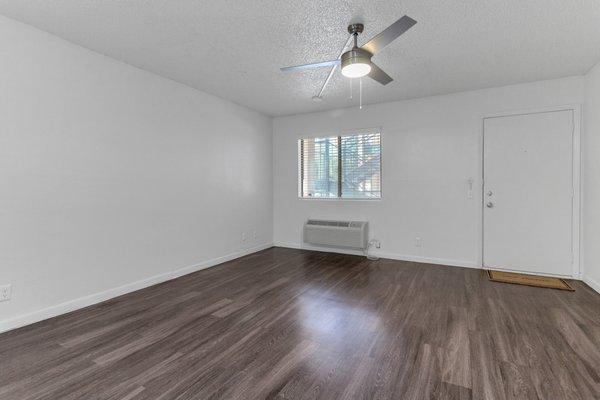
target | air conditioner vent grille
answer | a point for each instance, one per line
(351, 234)
(341, 224)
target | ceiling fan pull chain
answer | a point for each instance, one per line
(351, 88)
(360, 93)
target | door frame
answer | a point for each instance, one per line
(576, 179)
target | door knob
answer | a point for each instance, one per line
(490, 205)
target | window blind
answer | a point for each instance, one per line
(319, 167)
(347, 166)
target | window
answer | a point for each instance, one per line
(347, 166)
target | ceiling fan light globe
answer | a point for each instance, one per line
(356, 70)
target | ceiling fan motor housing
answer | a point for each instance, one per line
(355, 56)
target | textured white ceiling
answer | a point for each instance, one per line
(234, 48)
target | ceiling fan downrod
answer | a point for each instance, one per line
(354, 30)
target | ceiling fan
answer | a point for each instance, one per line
(356, 62)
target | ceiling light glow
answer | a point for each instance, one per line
(356, 70)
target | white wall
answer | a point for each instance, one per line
(591, 179)
(431, 147)
(113, 178)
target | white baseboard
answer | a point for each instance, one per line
(381, 254)
(429, 260)
(591, 283)
(317, 248)
(81, 302)
(219, 260)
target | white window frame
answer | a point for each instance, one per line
(353, 132)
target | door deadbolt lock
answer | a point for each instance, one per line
(490, 193)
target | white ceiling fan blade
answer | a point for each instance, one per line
(389, 34)
(305, 67)
(378, 75)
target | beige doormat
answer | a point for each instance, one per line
(529, 280)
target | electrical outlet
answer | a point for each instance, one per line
(375, 243)
(5, 292)
(418, 241)
(244, 237)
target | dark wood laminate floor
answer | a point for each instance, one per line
(293, 324)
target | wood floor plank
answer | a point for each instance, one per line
(457, 358)
(295, 324)
(487, 380)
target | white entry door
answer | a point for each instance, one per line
(528, 192)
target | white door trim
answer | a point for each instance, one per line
(576, 213)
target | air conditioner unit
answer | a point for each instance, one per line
(349, 234)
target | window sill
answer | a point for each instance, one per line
(337, 199)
